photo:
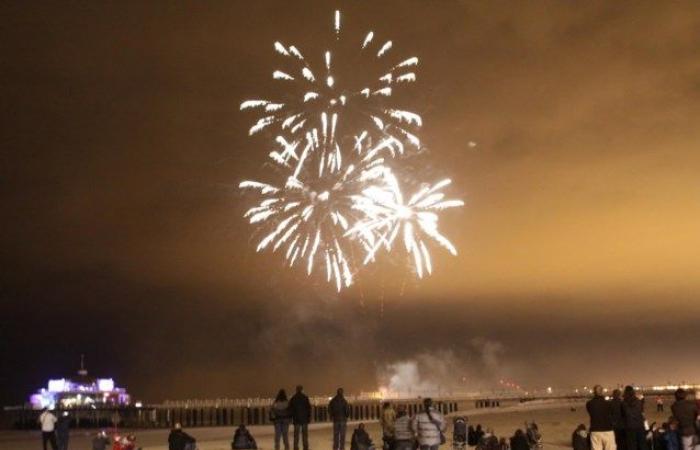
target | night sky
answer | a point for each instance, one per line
(122, 234)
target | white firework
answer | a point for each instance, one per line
(388, 216)
(340, 189)
(309, 216)
(315, 90)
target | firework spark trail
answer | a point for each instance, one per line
(341, 189)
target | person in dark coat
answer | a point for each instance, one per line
(519, 441)
(300, 410)
(601, 426)
(685, 411)
(100, 441)
(579, 438)
(63, 431)
(633, 414)
(617, 419)
(178, 439)
(243, 440)
(339, 411)
(360, 439)
(478, 434)
(471, 436)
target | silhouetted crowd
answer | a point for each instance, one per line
(618, 423)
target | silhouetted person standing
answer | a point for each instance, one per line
(63, 431)
(339, 410)
(685, 411)
(279, 415)
(601, 426)
(300, 410)
(617, 419)
(632, 411)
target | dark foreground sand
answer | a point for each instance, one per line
(556, 421)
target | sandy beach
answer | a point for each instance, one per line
(556, 421)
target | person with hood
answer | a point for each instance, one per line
(243, 440)
(360, 439)
(63, 431)
(387, 421)
(178, 439)
(601, 425)
(339, 411)
(100, 441)
(280, 415)
(519, 441)
(48, 420)
(633, 414)
(579, 438)
(404, 438)
(685, 411)
(429, 427)
(617, 420)
(300, 410)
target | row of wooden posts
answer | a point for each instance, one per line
(211, 416)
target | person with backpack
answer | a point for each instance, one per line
(300, 410)
(429, 427)
(279, 416)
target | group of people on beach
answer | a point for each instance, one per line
(619, 423)
(424, 431)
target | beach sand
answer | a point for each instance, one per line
(556, 421)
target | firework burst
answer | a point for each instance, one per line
(340, 192)
(317, 90)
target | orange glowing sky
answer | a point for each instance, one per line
(123, 144)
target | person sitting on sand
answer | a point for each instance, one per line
(580, 439)
(100, 441)
(519, 441)
(360, 439)
(243, 440)
(488, 441)
(534, 438)
(672, 438)
(179, 440)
